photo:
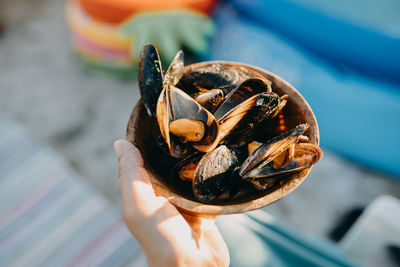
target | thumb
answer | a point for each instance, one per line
(130, 161)
(138, 198)
(148, 217)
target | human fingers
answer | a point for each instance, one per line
(156, 224)
(209, 238)
(196, 221)
(138, 196)
(141, 207)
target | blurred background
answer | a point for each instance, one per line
(68, 85)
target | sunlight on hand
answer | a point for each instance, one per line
(166, 236)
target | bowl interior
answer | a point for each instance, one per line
(139, 132)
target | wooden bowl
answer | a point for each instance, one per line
(297, 109)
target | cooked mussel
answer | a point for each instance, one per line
(244, 91)
(238, 125)
(283, 159)
(151, 77)
(270, 163)
(267, 152)
(221, 76)
(182, 120)
(209, 99)
(213, 172)
(304, 156)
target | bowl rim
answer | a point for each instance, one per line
(193, 207)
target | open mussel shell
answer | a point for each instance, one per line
(237, 125)
(139, 132)
(305, 155)
(213, 173)
(217, 76)
(150, 76)
(267, 176)
(247, 89)
(182, 120)
(267, 152)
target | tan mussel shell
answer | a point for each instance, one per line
(296, 111)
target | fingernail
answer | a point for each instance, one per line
(118, 148)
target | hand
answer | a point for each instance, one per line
(166, 236)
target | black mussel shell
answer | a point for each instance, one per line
(181, 120)
(217, 76)
(150, 77)
(271, 149)
(247, 89)
(305, 155)
(238, 125)
(213, 173)
(184, 107)
(235, 182)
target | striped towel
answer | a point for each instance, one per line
(49, 216)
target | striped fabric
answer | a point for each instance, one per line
(49, 216)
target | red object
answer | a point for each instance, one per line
(113, 11)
